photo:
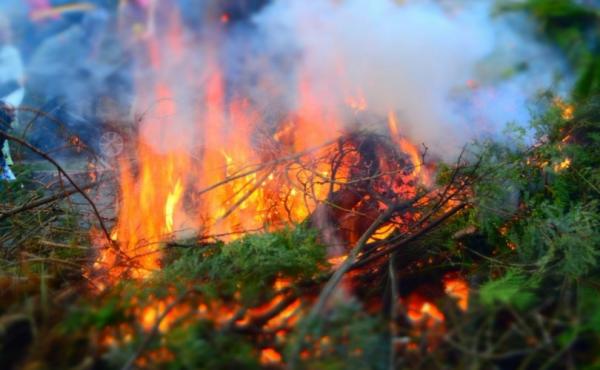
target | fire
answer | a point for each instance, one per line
(205, 171)
(233, 190)
(214, 168)
(140, 228)
(419, 310)
(565, 164)
(382, 233)
(408, 148)
(426, 318)
(357, 102)
(457, 288)
(172, 200)
(269, 356)
(216, 171)
(337, 261)
(567, 110)
(161, 313)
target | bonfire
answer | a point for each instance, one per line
(251, 199)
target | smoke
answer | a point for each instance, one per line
(452, 73)
(450, 70)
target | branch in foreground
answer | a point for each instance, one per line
(410, 238)
(66, 175)
(44, 201)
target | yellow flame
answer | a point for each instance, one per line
(567, 110)
(172, 200)
(562, 165)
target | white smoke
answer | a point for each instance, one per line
(417, 59)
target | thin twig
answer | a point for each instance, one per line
(410, 238)
(44, 201)
(66, 175)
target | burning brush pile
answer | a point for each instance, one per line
(369, 199)
(368, 196)
(275, 204)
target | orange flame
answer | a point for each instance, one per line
(216, 180)
(270, 356)
(565, 164)
(567, 110)
(457, 288)
(420, 310)
(408, 148)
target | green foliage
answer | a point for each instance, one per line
(573, 27)
(249, 266)
(536, 209)
(202, 346)
(109, 313)
(512, 289)
(553, 12)
(241, 273)
(564, 242)
(347, 338)
(589, 302)
(540, 295)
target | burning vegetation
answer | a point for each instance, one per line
(209, 231)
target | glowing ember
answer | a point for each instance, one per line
(269, 356)
(565, 164)
(382, 233)
(567, 110)
(419, 310)
(457, 288)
